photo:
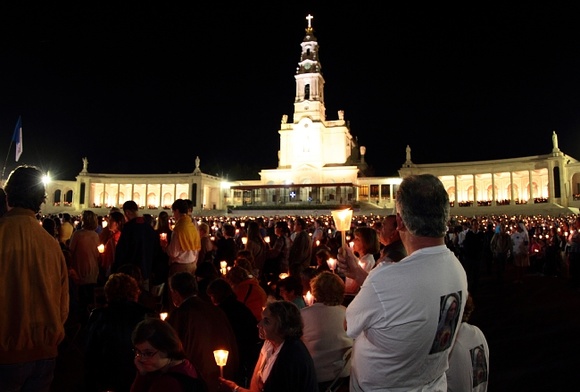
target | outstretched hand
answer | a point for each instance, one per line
(226, 385)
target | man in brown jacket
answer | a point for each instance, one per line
(34, 295)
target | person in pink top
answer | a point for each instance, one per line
(248, 290)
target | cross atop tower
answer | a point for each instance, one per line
(309, 19)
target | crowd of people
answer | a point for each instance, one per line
(388, 316)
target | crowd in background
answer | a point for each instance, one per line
(265, 288)
(257, 269)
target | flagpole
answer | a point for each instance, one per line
(16, 136)
(5, 163)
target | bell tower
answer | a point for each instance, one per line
(309, 100)
(313, 150)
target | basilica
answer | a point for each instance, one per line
(322, 167)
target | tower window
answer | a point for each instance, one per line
(307, 91)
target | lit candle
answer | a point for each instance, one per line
(351, 244)
(283, 275)
(342, 221)
(163, 236)
(317, 242)
(244, 240)
(309, 299)
(101, 248)
(331, 264)
(267, 239)
(223, 265)
(163, 315)
(221, 358)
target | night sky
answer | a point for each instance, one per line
(145, 87)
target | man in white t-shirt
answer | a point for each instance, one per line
(405, 317)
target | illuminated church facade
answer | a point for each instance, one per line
(321, 167)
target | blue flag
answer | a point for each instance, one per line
(17, 137)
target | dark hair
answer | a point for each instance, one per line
(423, 204)
(148, 218)
(253, 232)
(121, 287)
(245, 263)
(179, 205)
(160, 335)
(291, 283)
(89, 219)
(220, 290)
(117, 217)
(300, 222)
(49, 225)
(290, 323)
(323, 254)
(229, 230)
(283, 226)
(184, 283)
(130, 205)
(369, 239)
(24, 188)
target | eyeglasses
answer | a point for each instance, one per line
(144, 354)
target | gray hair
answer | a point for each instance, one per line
(423, 204)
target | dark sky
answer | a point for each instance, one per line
(145, 87)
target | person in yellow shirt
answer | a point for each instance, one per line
(183, 250)
(66, 229)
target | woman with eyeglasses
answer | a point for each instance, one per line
(160, 360)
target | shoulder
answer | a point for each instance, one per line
(293, 346)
